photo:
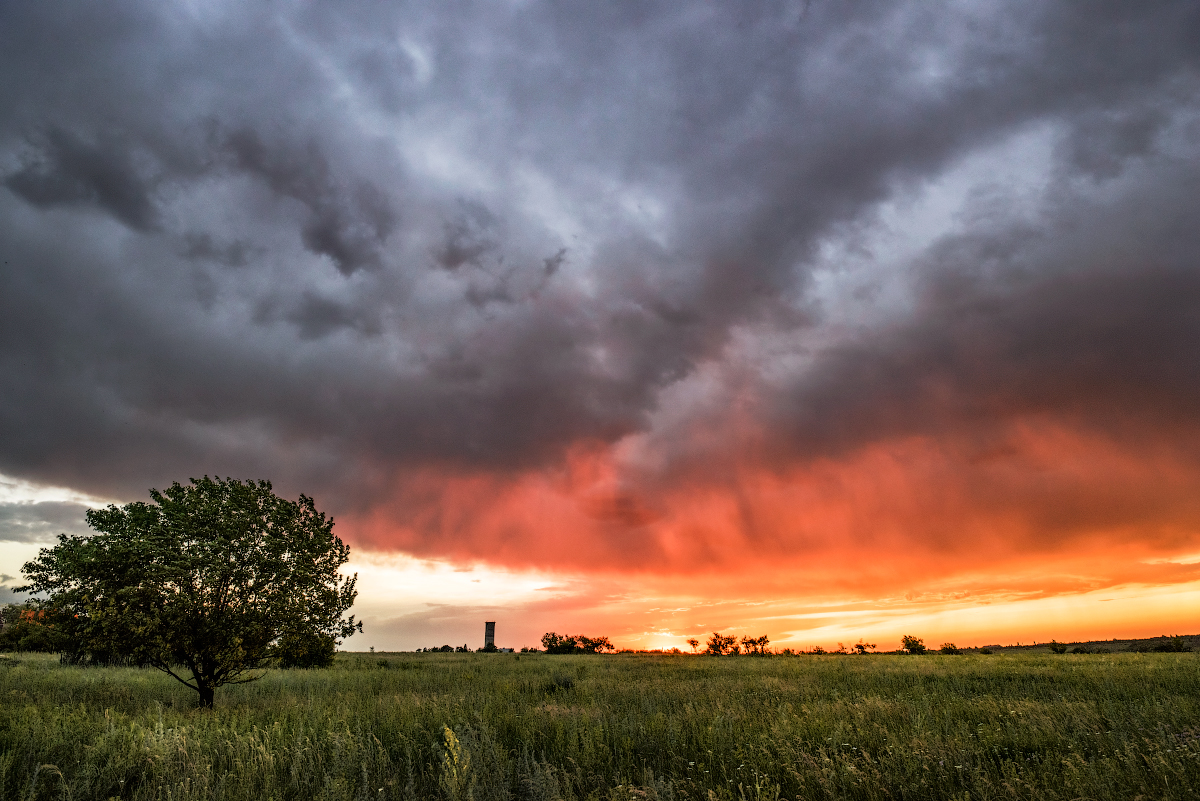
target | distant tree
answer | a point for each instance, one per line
(558, 643)
(720, 644)
(1058, 647)
(841, 649)
(594, 645)
(861, 647)
(30, 627)
(574, 644)
(756, 645)
(215, 579)
(914, 645)
(692, 641)
(1173, 645)
(816, 649)
(949, 648)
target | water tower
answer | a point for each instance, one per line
(489, 634)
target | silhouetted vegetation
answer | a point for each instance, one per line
(574, 644)
(756, 646)
(721, 644)
(1169, 645)
(913, 645)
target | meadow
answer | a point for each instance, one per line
(501, 726)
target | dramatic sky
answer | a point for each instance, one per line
(818, 319)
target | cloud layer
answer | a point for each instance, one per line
(622, 286)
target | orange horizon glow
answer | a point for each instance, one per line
(1038, 532)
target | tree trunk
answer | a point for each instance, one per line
(206, 696)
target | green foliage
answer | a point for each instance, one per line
(31, 627)
(914, 645)
(215, 578)
(306, 649)
(1058, 647)
(575, 644)
(1029, 726)
(949, 648)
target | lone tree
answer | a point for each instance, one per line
(216, 578)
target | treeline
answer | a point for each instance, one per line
(28, 627)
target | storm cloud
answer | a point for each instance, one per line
(515, 282)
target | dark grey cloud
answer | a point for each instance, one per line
(330, 243)
(1089, 319)
(40, 522)
(68, 171)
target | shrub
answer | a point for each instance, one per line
(914, 645)
(756, 645)
(1057, 647)
(720, 644)
(950, 648)
(985, 651)
(1173, 645)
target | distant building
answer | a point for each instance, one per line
(489, 634)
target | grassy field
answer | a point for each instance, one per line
(478, 726)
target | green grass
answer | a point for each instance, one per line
(478, 726)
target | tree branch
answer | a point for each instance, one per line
(165, 669)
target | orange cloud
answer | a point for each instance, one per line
(1037, 511)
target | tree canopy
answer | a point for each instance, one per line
(574, 644)
(215, 578)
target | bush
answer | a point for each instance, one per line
(985, 651)
(1057, 647)
(720, 644)
(914, 645)
(1173, 645)
(950, 648)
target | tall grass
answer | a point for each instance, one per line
(489, 726)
